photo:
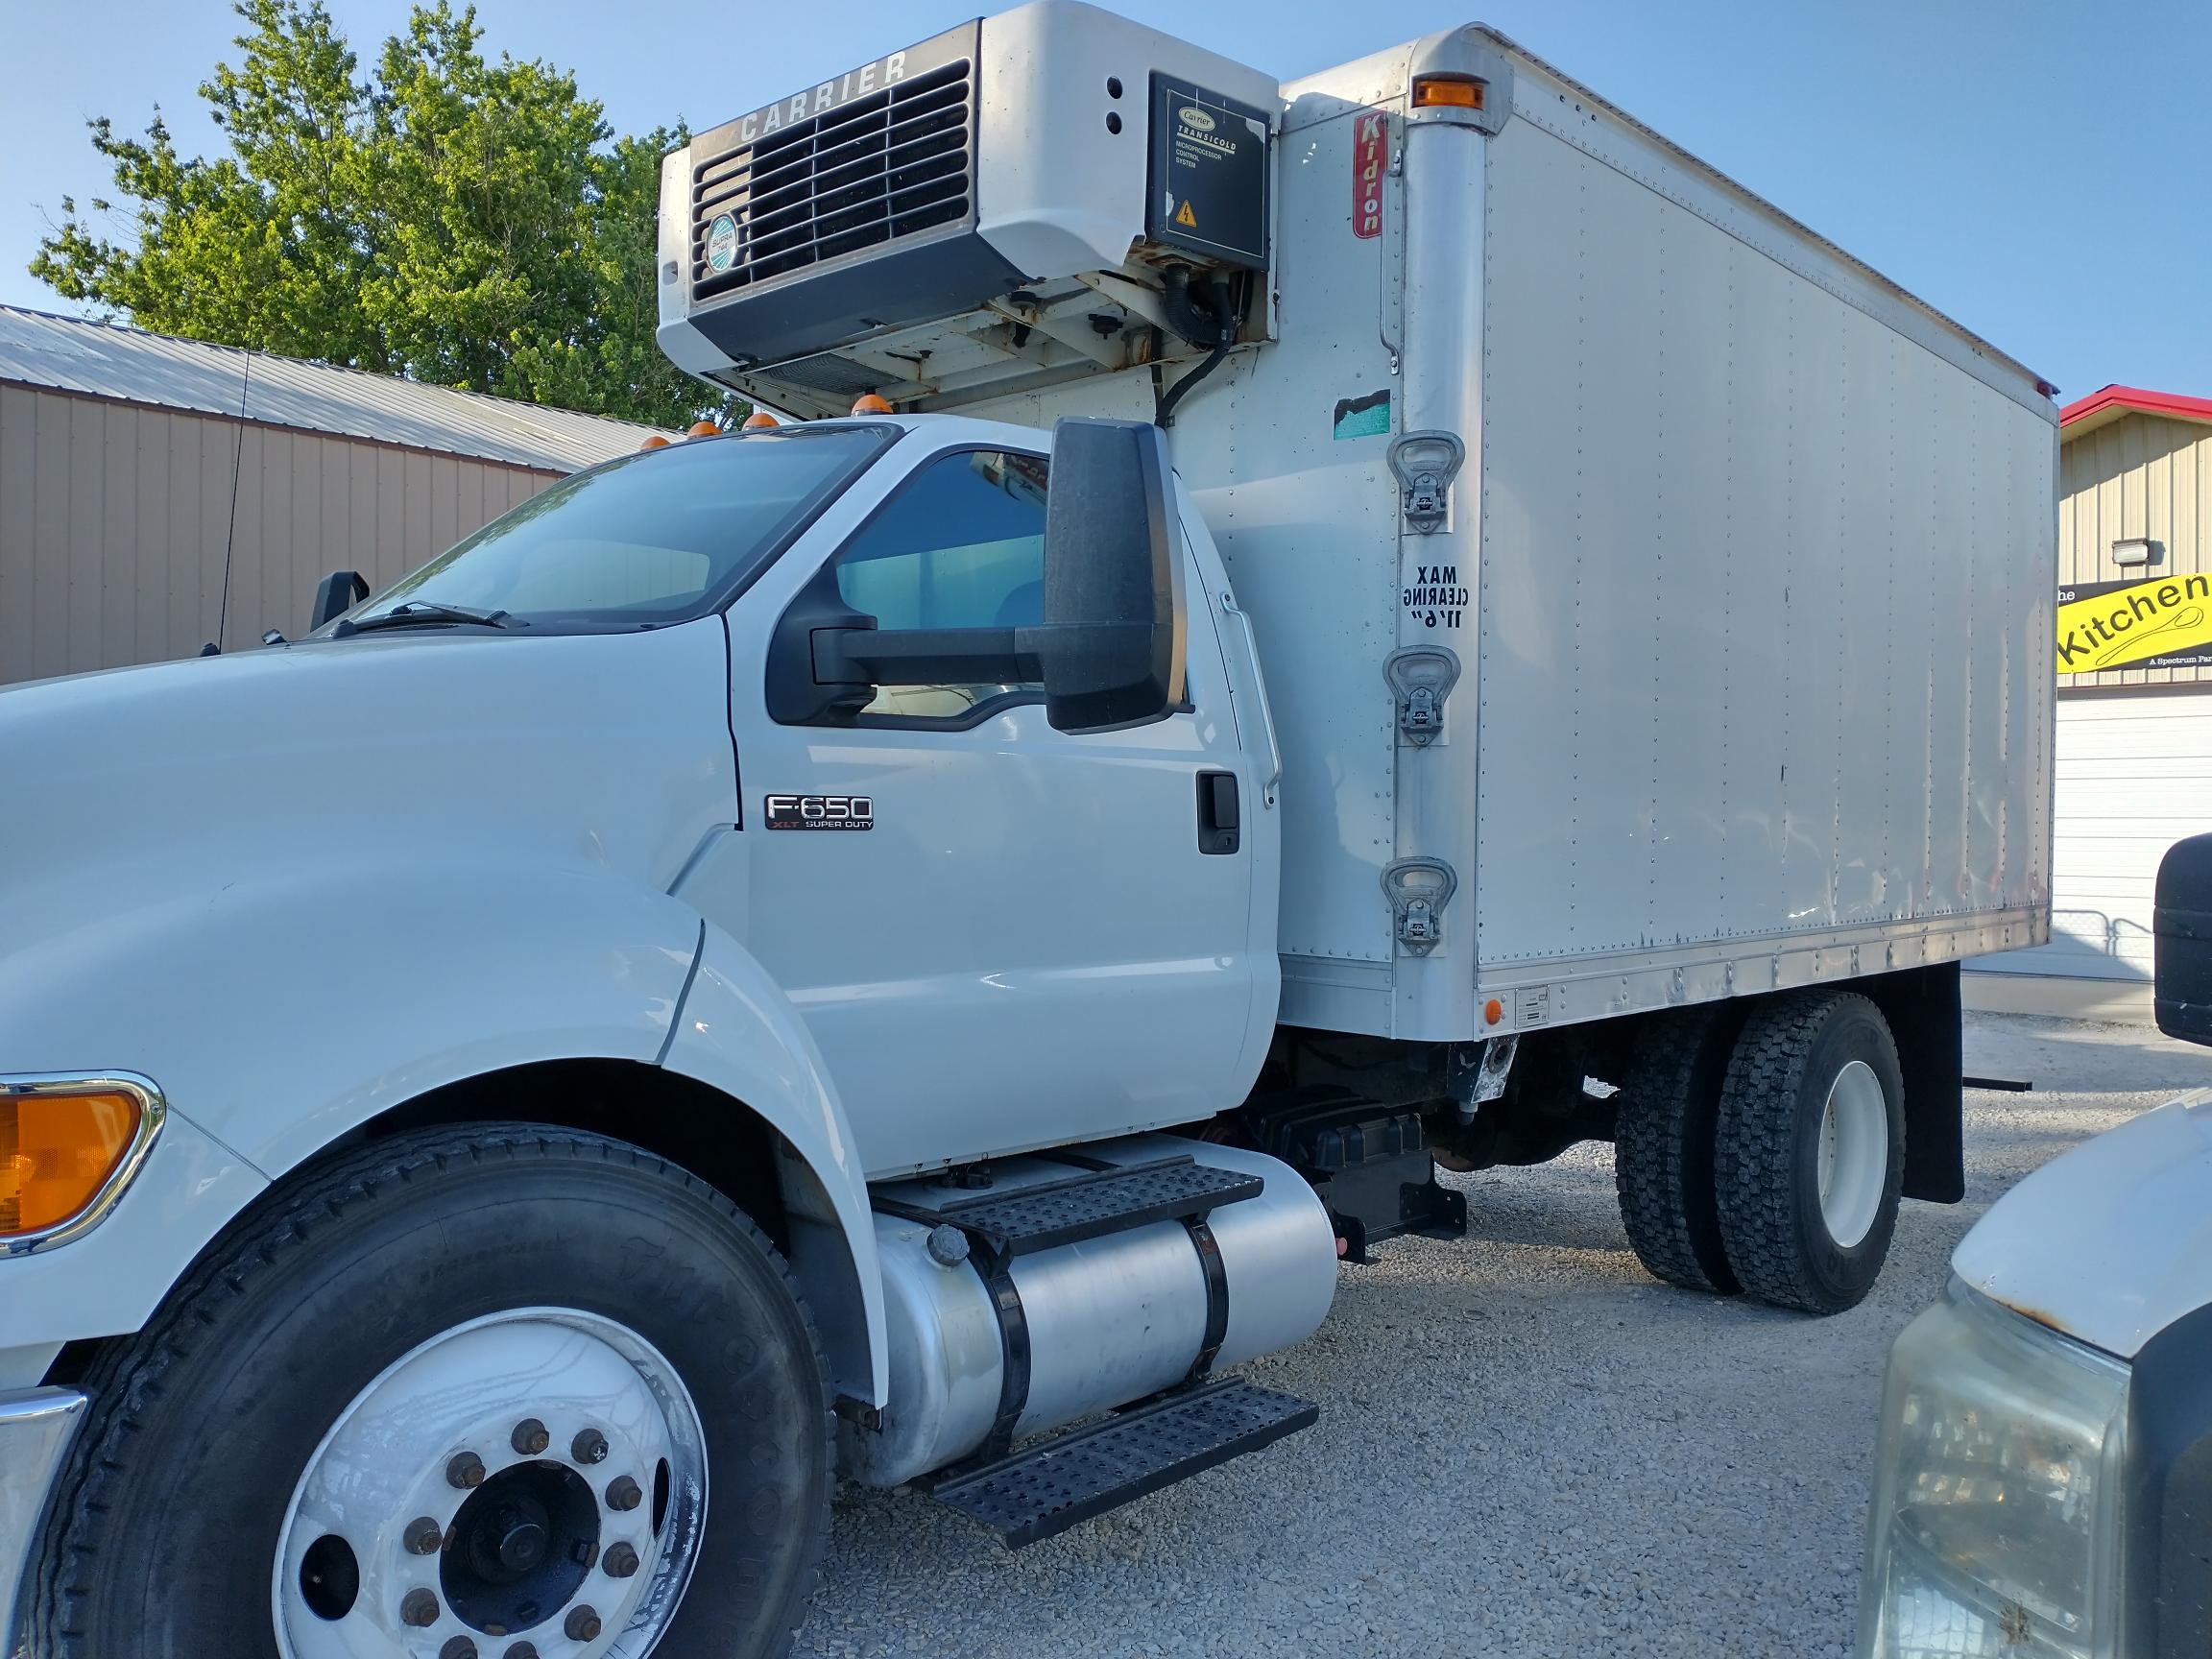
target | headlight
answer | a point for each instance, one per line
(1997, 1499)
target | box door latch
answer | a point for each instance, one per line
(1418, 890)
(1425, 464)
(1421, 676)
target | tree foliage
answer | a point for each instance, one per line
(463, 222)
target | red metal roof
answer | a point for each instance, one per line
(2114, 402)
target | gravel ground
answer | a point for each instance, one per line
(1526, 1446)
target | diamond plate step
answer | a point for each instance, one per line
(1024, 1219)
(1050, 1487)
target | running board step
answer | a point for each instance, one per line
(1050, 1487)
(1109, 1198)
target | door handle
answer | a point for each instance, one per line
(1218, 819)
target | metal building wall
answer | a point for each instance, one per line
(115, 519)
(2138, 475)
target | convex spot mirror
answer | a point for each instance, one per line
(1113, 645)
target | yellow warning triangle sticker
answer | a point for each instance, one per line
(1183, 216)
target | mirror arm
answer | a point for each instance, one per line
(927, 656)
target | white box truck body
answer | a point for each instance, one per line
(1746, 570)
(1387, 621)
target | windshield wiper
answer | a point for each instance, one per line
(422, 613)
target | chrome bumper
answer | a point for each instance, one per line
(36, 1426)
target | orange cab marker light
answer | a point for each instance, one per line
(703, 429)
(654, 441)
(759, 420)
(1493, 1011)
(58, 1152)
(1450, 91)
(869, 403)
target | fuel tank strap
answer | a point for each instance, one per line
(995, 1269)
(1209, 1250)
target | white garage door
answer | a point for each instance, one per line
(2134, 775)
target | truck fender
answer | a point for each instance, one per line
(738, 1033)
(278, 1015)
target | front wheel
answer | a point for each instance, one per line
(495, 1392)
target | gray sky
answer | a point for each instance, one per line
(2036, 169)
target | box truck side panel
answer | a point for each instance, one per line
(1766, 587)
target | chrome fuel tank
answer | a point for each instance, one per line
(1110, 1319)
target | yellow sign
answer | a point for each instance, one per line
(2119, 624)
(1183, 216)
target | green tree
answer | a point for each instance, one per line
(463, 222)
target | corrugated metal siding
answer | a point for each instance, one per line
(2134, 775)
(114, 520)
(101, 360)
(2139, 475)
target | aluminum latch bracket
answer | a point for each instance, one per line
(1418, 890)
(1421, 676)
(1425, 463)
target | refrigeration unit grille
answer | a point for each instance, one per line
(866, 173)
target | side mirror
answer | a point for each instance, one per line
(1109, 648)
(1113, 621)
(2181, 929)
(336, 595)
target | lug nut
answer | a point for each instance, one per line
(530, 1437)
(581, 1625)
(465, 1469)
(419, 1609)
(624, 1494)
(588, 1447)
(423, 1537)
(460, 1647)
(522, 1651)
(619, 1561)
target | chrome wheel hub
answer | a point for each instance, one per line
(1854, 1153)
(528, 1485)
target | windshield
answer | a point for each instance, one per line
(648, 539)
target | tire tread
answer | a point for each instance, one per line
(1754, 1174)
(1652, 1141)
(65, 1559)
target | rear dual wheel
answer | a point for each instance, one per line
(1772, 1162)
(496, 1392)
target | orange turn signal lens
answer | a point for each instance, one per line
(1448, 91)
(59, 1150)
(759, 420)
(654, 441)
(1493, 1011)
(869, 403)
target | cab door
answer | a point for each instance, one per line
(1002, 936)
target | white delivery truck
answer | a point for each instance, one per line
(2043, 1483)
(1391, 619)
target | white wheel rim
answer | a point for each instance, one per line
(384, 1467)
(1854, 1154)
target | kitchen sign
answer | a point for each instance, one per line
(2163, 623)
